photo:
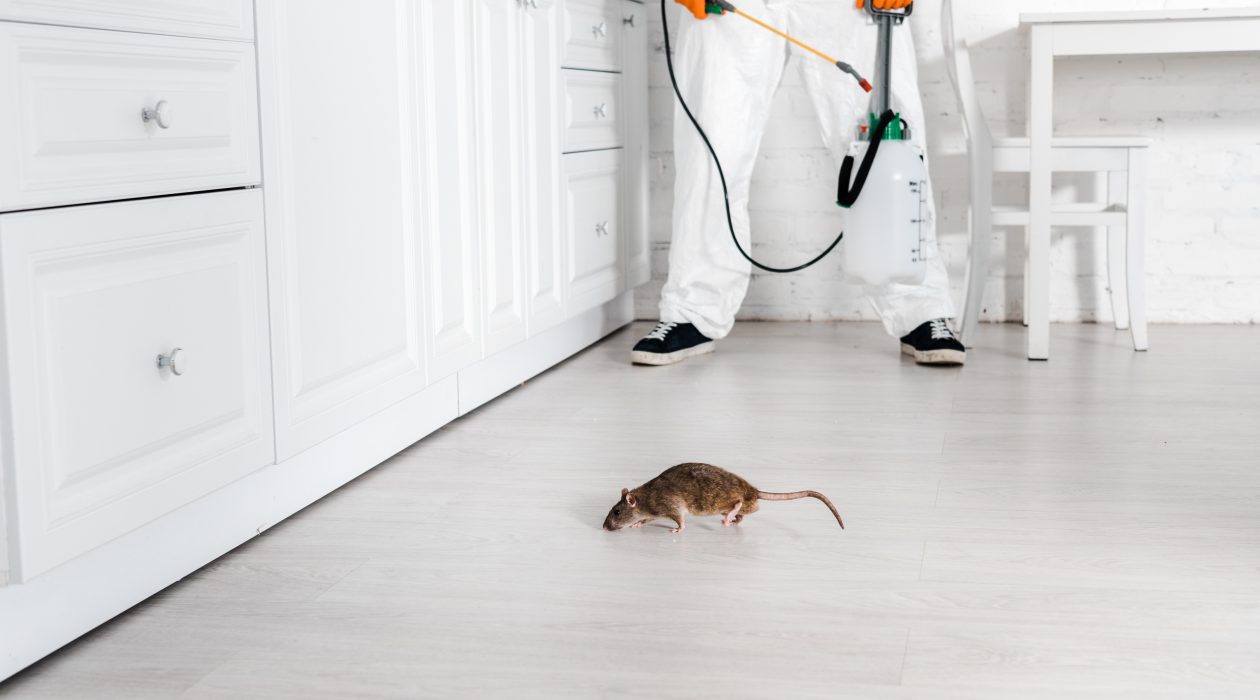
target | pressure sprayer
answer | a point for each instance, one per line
(886, 199)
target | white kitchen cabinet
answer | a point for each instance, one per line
(449, 220)
(592, 35)
(592, 111)
(593, 185)
(451, 199)
(339, 172)
(634, 25)
(540, 118)
(516, 47)
(497, 40)
(137, 363)
(92, 115)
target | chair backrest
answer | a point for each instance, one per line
(958, 65)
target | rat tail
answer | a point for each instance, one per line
(766, 496)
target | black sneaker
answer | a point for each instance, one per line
(933, 343)
(669, 343)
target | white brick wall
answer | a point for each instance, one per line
(1203, 111)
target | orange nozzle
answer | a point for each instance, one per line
(696, 7)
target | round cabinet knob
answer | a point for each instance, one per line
(176, 360)
(628, 20)
(160, 113)
(601, 229)
(601, 111)
(600, 29)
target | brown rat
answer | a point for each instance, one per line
(696, 489)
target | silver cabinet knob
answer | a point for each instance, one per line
(601, 110)
(600, 29)
(176, 360)
(160, 113)
(628, 20)
(601, 229)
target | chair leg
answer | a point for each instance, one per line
(1135, 248)
(1024, 302)
(978, 250)
(1117, 195)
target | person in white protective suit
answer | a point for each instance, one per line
(728, 70)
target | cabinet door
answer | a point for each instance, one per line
(448, 185)
(593, 187)
(501, 172)
(634, 43)
(542, 93)
(137, 363)
(338, 120)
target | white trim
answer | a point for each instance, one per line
(498, 373)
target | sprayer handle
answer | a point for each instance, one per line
(898, 13)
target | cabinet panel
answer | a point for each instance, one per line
(593, 186)
(541, 119)
(592, 115)
(106, 437)
(220, 19)
(449, 186)
(635, 128)
(500, 138)
(339, 163)
(592, 34)
(72, 128)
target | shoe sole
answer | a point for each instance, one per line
(935, 357)
(657, 359)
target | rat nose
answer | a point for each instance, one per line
(608, 526)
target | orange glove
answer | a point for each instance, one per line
(881, 4)
(697, 7)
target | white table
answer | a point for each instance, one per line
(1102, 34)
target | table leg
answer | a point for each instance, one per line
(1040, 126)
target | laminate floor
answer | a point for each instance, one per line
(1083, 527)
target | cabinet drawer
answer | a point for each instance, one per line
(220, 19)
(592, 34)
(594, 221)
(592, 110)
(106, 439)
(72, 125)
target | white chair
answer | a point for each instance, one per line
(1121, 160)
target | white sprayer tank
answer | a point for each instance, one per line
(883, 233)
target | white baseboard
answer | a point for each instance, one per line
(39, 616)
(498, 373)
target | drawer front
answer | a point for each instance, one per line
(72, 122)
(592, 34)
(592, 110)
(105, 438)
(594, 221)
(218, 19)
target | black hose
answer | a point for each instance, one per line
(846, 196)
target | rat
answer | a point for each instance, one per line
(696, 489)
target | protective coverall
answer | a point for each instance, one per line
(728, 70)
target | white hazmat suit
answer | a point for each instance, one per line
(728, 70)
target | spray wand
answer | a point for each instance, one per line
(720, 7)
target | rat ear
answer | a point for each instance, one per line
(630, 499)
(624, 492)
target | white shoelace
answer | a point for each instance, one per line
(662, 329)
(940, 331)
